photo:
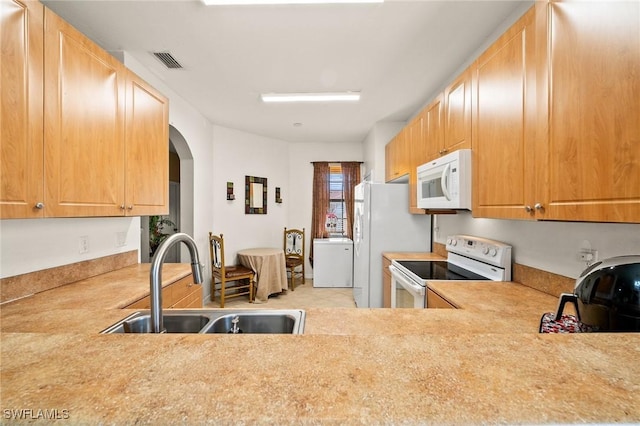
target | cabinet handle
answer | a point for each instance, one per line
(39, 206)
(528, 209)
(539, 207)
(121, 206)
(130, 207)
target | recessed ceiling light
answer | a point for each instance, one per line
(311, 97)
(263, 2)
(297, 124)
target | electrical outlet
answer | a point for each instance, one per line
(83, 244)
(588, 256)
(121, 239)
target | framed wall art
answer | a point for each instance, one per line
(255, 195)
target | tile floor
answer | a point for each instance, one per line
(304, 296)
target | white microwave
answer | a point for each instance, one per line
(445, 183)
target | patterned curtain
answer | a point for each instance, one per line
(320, 203)
(350, 178)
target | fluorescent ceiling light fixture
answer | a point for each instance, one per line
(262, 2)
(311, 97)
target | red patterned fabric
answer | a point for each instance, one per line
(566, 324)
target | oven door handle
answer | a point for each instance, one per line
(406, 281)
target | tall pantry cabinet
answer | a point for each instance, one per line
(105, 131)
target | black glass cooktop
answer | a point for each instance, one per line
(439, 270)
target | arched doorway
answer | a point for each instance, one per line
(180, 198)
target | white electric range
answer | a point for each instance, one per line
(468, 258)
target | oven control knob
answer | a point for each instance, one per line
(493, 252)
(485, 250)
(454, 242)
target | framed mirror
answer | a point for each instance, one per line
(255, 195)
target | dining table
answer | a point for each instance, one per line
(270, 267)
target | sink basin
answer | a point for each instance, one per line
(141, 323)
(258, 322)
(269, 321)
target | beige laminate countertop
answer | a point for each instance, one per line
(480, 364)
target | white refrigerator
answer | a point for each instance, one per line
(382, 223)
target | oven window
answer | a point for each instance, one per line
(406, 299)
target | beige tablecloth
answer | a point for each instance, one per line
(269, 265)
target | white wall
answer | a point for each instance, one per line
(28, 245)
(550, 246)
(237, 154)
(299, 200)
(35, 244)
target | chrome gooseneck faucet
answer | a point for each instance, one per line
(157, 325)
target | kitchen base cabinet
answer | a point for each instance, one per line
(180, 294)
(386, 283)
(435, 301)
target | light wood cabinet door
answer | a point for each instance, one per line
(84, 125)
(147, 149)
(457, 106)
(589, 98)
(433, 129)
(397, 155)
(504, 118)
(21, 121)
(183, 293)
(389, 161)
(414, 153)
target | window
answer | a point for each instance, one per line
(336, 218)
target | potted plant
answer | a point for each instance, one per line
(156, 235)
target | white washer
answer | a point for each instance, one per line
(332, 262)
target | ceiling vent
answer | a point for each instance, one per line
(168, 60)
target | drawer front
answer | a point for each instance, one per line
(192, 300)
(181, 289)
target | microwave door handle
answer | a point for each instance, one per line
(444, 182)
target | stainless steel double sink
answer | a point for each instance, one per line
(215, 321)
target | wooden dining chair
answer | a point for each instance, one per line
(294, 253)
(243, 278)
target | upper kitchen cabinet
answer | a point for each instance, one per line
(589, 110)
(504, 119)
(84, 125)
(147, 149)
(415, 152)
(397, 156)
(21, 121)
(556, 133)
(457, 114)
(433, 130)
(448, 119)
(81, 134)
